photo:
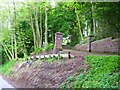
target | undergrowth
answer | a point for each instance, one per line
(104, 73)
(6, 69)
(52, 59)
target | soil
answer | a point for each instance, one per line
(42, 74)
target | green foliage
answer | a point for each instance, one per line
(49, 47)
(25, 55)
(74, 81)
(84, 41)
(62, 18)
(70, 79)
(38, 50)
(2, 59)
(52, 59)
(104, 73)
(6, 68)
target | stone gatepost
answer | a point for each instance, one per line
(89, 43)
(58, 42)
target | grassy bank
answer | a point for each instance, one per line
(6, 69)
(103, 73)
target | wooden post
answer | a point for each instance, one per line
(89, 43)
(69, 55)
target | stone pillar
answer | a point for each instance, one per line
(89, 43)
(58, 42)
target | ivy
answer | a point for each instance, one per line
(104, 73)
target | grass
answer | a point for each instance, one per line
(52, 59)
(6, 69)
(104, 73)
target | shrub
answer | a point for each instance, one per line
(38, 50)
(6, 68)
(49, 47)
(84, 41)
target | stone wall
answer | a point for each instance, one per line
(103, 45)
(81, 47)
(115, 47)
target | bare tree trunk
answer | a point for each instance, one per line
(86, 28)
(37, 27)
(15, 42)
(6, 51)
(12, 39)
(79, 24)
(12, 45)
(41, 25)
(33, 30)
(94, 24)
(46, 38)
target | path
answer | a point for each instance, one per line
(74, 53)
(4, 84)
(85, 53)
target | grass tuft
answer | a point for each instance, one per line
(6, 69)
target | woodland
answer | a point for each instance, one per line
(30, 27)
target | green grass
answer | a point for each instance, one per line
(52, 59)
(6, 69)
(103, 73)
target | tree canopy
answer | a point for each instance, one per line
(26, 26)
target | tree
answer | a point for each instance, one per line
(46, 28)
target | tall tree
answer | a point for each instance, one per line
(15, 42)
(93, 17)
(79, 23)
(46, 28)
(41, 26)
(37, 26)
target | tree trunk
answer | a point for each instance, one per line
(6, 52)
(46, 40)
(15, 42)
(37, 27)
(86, 27)
(41, 26)
(12, 38)
(94, 24)
(33, 30)
(12, 45)
(79, 24)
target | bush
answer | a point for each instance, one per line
(6, 68)
(49, 47)
(84, 41)
(38, 50)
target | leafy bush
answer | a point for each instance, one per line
(104, 73)
(84, 41)
(38, 50)
(49, 47)
(50, 60)
(6, 68)
(3, 56)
